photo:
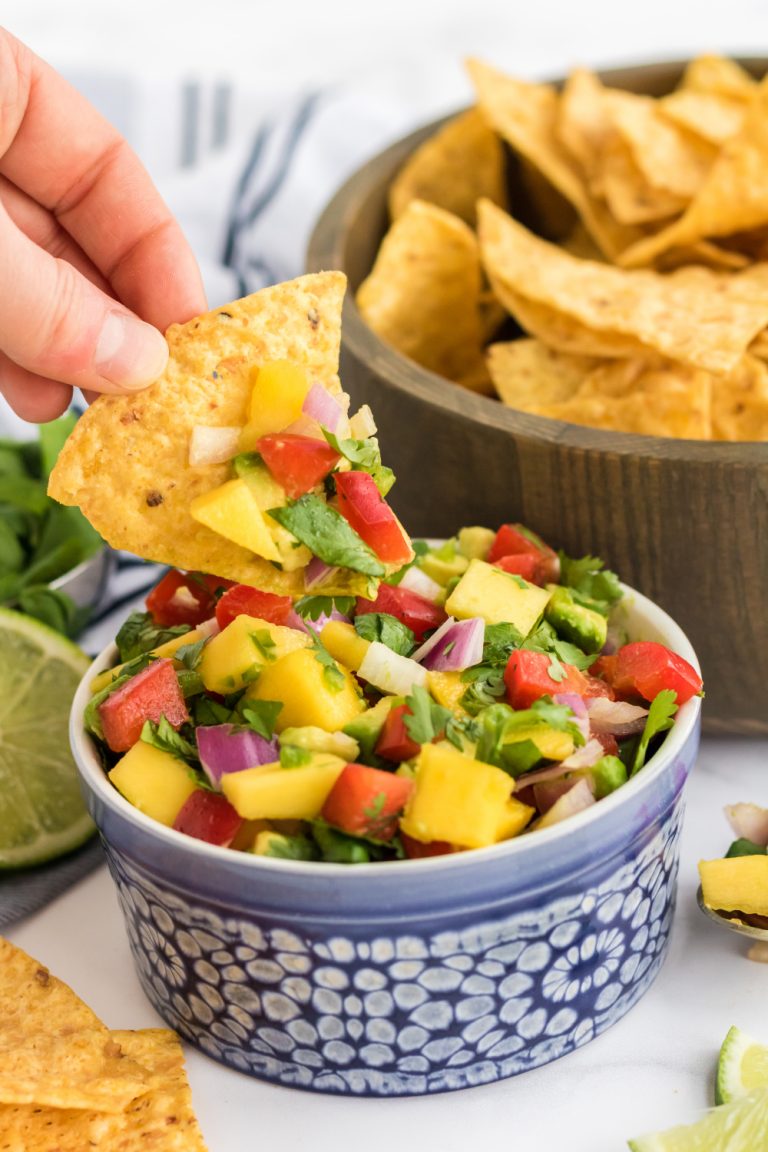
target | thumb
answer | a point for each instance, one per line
(58, 325)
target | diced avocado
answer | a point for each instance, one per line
(497, 597)
(475, 543)
(608, 774)
(443, 570)
(575, 623)
(366, 728)
(318, 740)
(269, 843)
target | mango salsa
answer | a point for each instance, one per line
(312, 692)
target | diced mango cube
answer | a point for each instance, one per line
(516, 816)
(497, 596)
(153, 781)
(279, 391)
(736, 884)
(312, 692)
(237, 655)
(344, 644)
(269, 792)
(447, 688)
(232, 511)
(457, 799)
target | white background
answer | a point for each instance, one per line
(654, 1068)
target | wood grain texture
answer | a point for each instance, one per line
(684, 522)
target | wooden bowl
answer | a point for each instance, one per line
(685, 522)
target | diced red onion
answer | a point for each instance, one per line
(208, 628)
(578, 707)
(212, 445)
(223, 749)
(323, 407)
(317, 573)
(415, 580)
(749, 821)
(390, 672)
(547, 792)
(433, 640)
(459, 648)
(575, 800)
(585, 756)
(362, 424)
(551, 772)
(305, 426)
(615, 717)
(293, 620)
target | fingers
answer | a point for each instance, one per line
(95, 186)
(32, 397)
(58, 325)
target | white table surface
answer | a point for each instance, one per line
(655, 1067)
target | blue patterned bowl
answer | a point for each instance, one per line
(415, 976)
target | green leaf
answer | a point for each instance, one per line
(139, 634)
(260, 715)
(426, 719)
(486, 687)
(207, 712)
(54, 608)
(589, 577)
(52, 436)
(163, 736)
(332, 674)
(12, 554)
(291, 847)
(327, 534)
(387, 630)
(313, 607)
(190, 655)
(660, 717)
(25, 493)
(498, 725)
(364, 456)
(264, 644)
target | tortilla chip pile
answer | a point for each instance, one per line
(641, 287)
(68, 1083)
(126, 464)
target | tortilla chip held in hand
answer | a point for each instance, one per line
(127, 463)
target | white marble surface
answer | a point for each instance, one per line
(655, 1067)
(652, 1069)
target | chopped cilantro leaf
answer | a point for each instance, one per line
(386, 629)
(364, 456)
(327, 534)
(264, 644)
(426, 718)
(313, 607)
(260, 715)
(592, 580)
(140, 634)
(660, 717)
(163, 736)
(332, 674)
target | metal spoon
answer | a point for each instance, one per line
(759, 936)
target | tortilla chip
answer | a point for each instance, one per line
(631, 199)
(453, 169)
(527, 373)
(526, 115)
(733, 198)
(422, 295)
(668, 157)
(704, 252)
(702, 318)
(126, 463)
(645, 398)
(161, 1119)
(582, 122)
(53, 1049)
(740, 402)
(717, 74)
(711, 116)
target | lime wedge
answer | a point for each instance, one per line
(741, 1126)
(42, 814)
(742, 1066)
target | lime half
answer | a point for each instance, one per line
(741, 1126)
(42, 814)
(742, 1066)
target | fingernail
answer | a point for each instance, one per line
(129, 353)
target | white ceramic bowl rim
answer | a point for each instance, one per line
(654, 619)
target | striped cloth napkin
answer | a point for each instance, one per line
(247, 174)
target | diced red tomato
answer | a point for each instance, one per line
(298, 463)
(525, 564)
(242, 600)
(367, 801)
(510, 542)
(394, 743)
(150, 694)
(644, 668)
(208, 816)
(416, 850)
(609, 742)
(365, 509)
(411, 609)
(184, 598)
(527, 677)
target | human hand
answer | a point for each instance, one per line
(92, 263)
